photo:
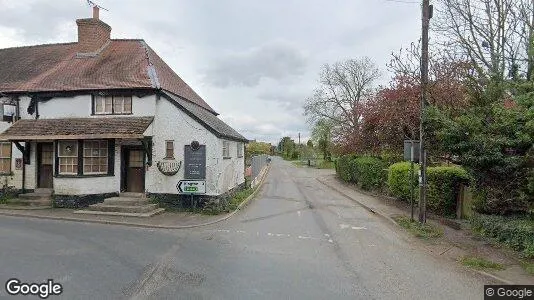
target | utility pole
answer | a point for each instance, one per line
(427, 11)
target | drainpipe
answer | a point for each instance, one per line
(24, 168)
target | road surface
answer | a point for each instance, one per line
(297, 240)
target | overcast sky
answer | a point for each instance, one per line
(253, 61)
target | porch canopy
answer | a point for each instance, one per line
(77, 128)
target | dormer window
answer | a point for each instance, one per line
(8, 112)
(112, 105)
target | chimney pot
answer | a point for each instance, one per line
(96, 12)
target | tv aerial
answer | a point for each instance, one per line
(92, 4)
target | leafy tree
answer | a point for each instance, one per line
(493, 139)
(322, 135)
(257, 148)
(287, 147)
(309, 144)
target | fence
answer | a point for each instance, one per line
(257, 164)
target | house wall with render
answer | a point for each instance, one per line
(170, 123)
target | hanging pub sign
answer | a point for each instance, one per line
(195, 161)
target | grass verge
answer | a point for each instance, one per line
(239, 198)
(528, 267)
(480, 263)
(323, 164)
(424, 231)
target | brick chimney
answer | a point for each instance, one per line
(93, 34)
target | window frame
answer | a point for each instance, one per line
(79, 158)
(240, 150)
(226, 150)
(10, 158)
(102, 99)
(92, 157)
(167, 142)
(75, 165)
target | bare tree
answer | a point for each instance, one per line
(493, 35)
(344, 87)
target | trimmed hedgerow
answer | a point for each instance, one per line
(368, 172)
(443, 187)
(343, 168)
(442, 190)
(512, 231)
(398, 180)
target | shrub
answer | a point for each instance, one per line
(368, 172)
(398, 180)
(443, 184)
(343, 167)
(443, 187)
(512, 231)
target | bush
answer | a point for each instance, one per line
(368, 172)
(512, 231)
(398, 180)
(443, 187)
(343, 167)
(443, 184)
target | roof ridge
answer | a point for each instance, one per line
(40, 45)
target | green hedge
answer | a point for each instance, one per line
(443, 185)
(366, 171)
(514, 231)
(443, 188)
(398, 180)
(343, 167)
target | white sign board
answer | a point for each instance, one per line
(191, 186)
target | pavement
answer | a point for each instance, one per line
(298, 239)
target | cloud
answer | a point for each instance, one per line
(275, 60)
(292, 101)
(41, 21)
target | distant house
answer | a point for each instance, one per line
(101, 116)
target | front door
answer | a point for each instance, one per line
(45, 158)
(134, 170)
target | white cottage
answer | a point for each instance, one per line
(100, 116)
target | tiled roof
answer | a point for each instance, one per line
(122, 64)
(77, 128)
(208, 119)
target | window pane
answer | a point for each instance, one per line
(127, 105)
(109, 103)
(68, 148)
(99, 105)
(117, 104)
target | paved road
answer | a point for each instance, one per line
(297, 240)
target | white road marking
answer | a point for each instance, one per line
(344, 226)
(358, 228)
(327, 235)
(240, 231)
(330, 240)
(372, 245)
(223, 230)
(298, 213)
(269, 234)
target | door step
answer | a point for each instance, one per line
(126, 205)
(39, 198)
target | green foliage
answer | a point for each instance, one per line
(368, 172)
(389, 157)
(343, 168)
(480, 263)
(491, 139)
(398, 180)
(443, 183)
(443, 187)
(515, 232)
(424, 231)
(322, 137)
(257, 148)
